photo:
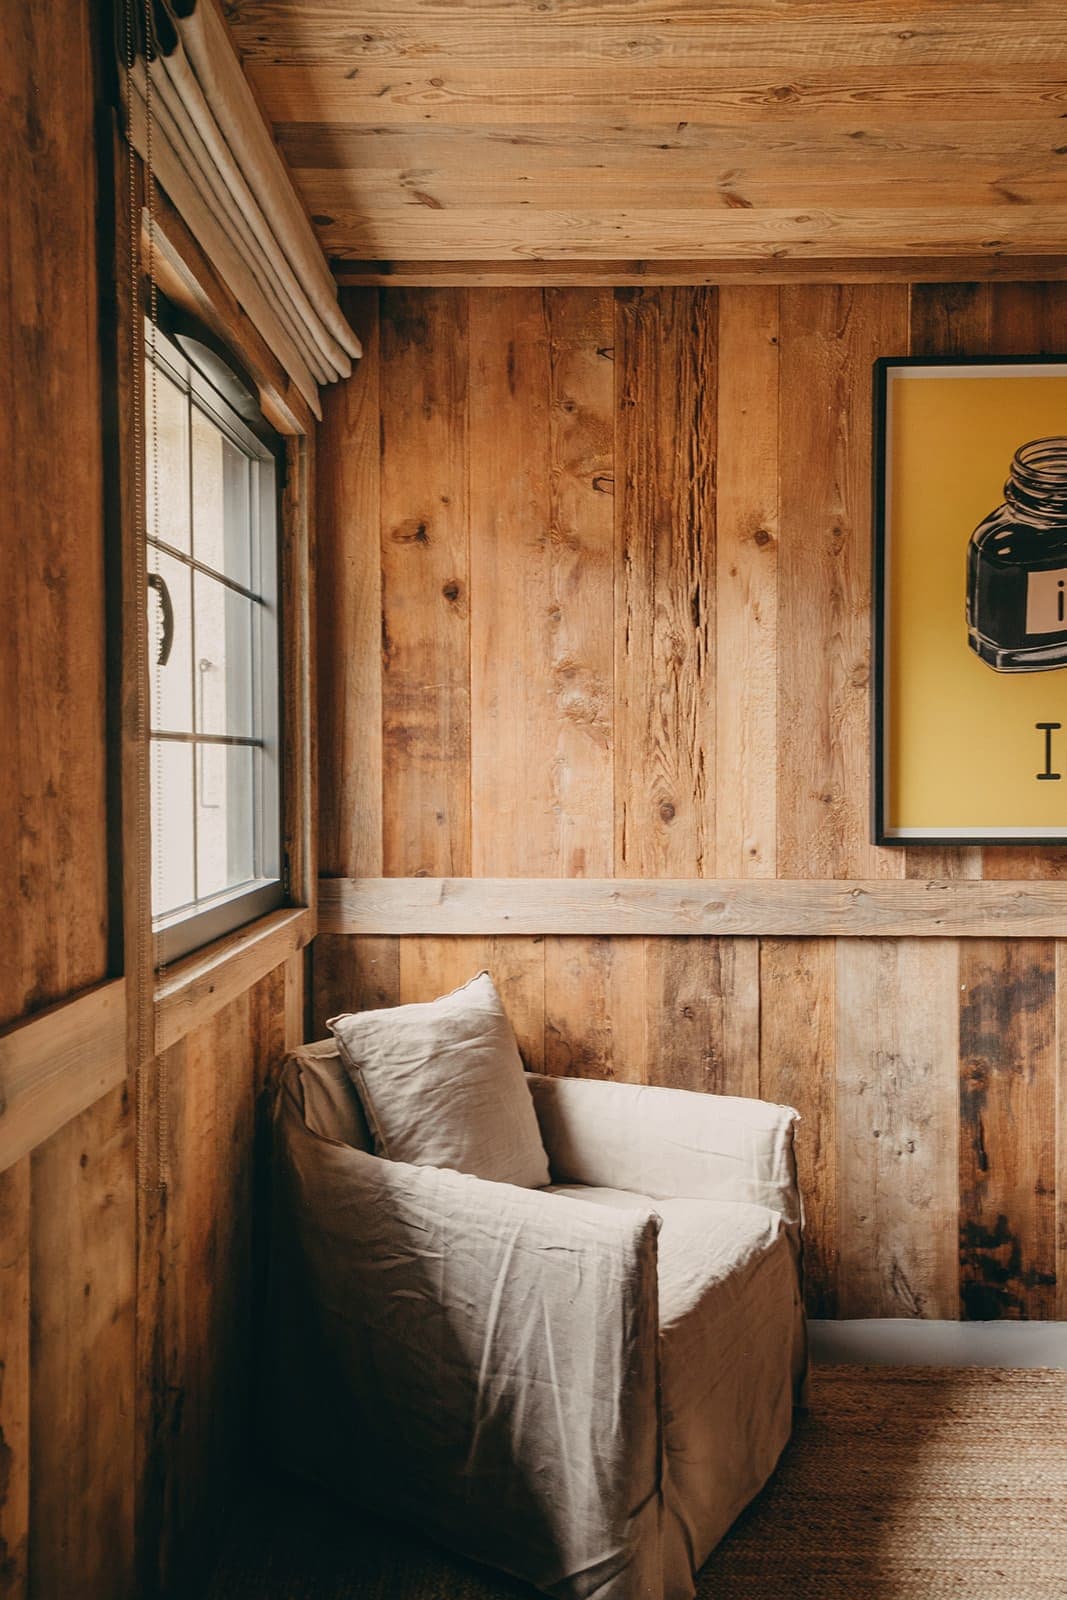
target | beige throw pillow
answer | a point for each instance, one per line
(442, 1085)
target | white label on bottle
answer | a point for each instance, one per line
(1046, 601)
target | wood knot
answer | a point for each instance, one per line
(452, 591)
(666, 811)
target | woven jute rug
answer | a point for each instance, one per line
(900, 1484)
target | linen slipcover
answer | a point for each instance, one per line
(582, 1384)
(442, 1085)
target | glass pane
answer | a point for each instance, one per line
(172, 826)
(166, 459)
(221, 519)
(225, 850)
(223, 659)
(170, 682)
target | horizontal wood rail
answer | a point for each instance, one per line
(757, 269)
(56, 1063)
(761, 907)
(194, 989)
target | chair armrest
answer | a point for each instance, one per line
(498, 1346)
(668, 1143)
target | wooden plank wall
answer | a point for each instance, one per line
(124, 1324)
(600, 606)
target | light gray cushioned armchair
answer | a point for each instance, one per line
(581, 1385)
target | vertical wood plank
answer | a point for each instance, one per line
(541, 582)
(352, 974)
(1008, 1077)
(798, 1065)
(82, 1233)
(596, 1016)
(746, 584)
(430, 967)
(665, 582)
(53, 819)
(897, 1129)
(703, 1014)
(349, 622)
(294, 999)
(830, 335)
(14, 1379)
(948, 319)
(425, 583)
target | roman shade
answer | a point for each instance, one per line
(192, 113)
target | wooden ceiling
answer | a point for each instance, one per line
(615, 130)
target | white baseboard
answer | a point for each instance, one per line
(911, 1342)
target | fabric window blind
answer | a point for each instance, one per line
(215, 156)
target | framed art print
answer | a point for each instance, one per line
(970, 683)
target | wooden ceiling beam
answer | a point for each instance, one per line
(562, 274)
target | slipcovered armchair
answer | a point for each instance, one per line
(581, 1384)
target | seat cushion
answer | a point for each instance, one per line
(730, 1321)
(442, 1085)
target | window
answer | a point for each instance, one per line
(213, 639)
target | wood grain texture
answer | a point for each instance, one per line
(352, 975)
(197, 1287)
(1008, 1079)
(772, 269)
(665, 593)
(349, 583)
(746, 585)
(541, 459)
(897, 1034)
(425, 584)
(798, 1060)
(82, 1232)
(52, 648)
(829, 337)
(57, 1063)
(15, 1380)
(767, 908)
(631, 131)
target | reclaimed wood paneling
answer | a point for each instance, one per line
(744, 935)
(15, 1379)
(82, 1296)
(196, 1286)
(425, 583)
(798, 1061)
(1008, 1087)
(665, 593)
(349, 610)
(829, 338)
(541, 453)
(52, 646)
(897, 1126)
(746, 585)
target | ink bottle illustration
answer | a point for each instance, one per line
(1017, 566)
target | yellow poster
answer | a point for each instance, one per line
(974, 596)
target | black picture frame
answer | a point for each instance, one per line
(881, 834)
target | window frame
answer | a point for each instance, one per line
(212, 380)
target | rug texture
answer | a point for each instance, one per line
(900, 1484)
